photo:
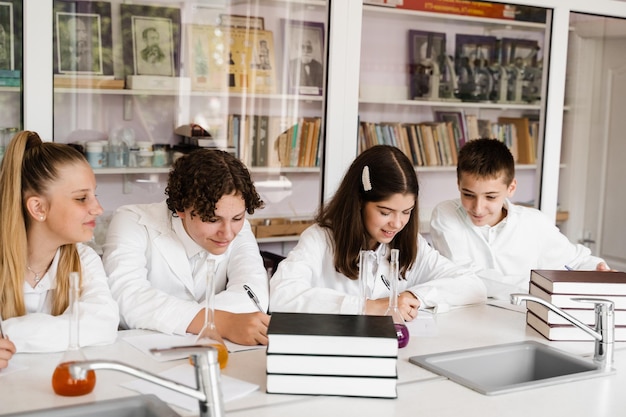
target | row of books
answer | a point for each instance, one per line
(275, 141)
(560, 287)
(332, 354)
(10, 78)
(437, 143)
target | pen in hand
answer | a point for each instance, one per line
(254, 298)
(2, 334)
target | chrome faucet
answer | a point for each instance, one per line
(204, 359)
(603, 333)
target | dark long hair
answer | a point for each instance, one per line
(389, 172)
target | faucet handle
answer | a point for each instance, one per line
(192, 350)
(601, 304)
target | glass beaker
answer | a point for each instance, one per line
(364, 272)
(209, 334)
(402, 332)
(62, 381)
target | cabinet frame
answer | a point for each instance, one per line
(341, 107)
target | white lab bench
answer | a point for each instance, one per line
(420, 392)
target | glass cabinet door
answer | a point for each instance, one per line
(593, 147)
(435, 75)
(11, 119)
(135, 82)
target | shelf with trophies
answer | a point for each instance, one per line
(447, 72)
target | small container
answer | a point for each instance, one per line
(161, 155)
(144, 159)
(133, 156)
(144, 145)
(95, 154)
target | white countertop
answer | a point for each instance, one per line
(420, 392)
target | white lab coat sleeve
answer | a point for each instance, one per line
(244, 266)
(98, 319)
(439, 283)
(129, 256)
(557, 250)
(306, 281)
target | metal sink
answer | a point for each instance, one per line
(137, 406)
(510, 367)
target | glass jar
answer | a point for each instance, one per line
(144, 159)
(161, 155)
(94, 151)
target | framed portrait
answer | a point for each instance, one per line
(151, 37)
(10, 36)
(427, 54)
(251, 64)
(82, 38)
(515, 50)
(303, 51)
(242, 21)
(207, 57)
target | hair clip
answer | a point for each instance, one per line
(365, 179)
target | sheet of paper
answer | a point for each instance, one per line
(14, 366)
(423, 325)
(163, 341)
(505, 304)
(232, 388)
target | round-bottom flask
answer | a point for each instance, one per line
(62, 381)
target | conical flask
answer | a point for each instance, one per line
(62, 381)
(402, 331)
(209, 334)
(364, 289)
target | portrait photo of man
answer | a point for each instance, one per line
(79, 43)
(6, 42)
(153, 47)
(306, 67)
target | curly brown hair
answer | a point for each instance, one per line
(199, 179)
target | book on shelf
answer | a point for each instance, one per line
(7, 73)
(567, 332)
(565, 300)
(349, 386)
(580, 282)
(526, 148)
(587, 316)
(102, 82)
(331, 365)
(10, 82)
(332, 334)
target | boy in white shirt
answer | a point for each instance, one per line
(497, 239)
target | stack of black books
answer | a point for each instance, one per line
(331, 354)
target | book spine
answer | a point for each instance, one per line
(10, 82)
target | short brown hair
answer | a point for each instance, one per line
(486, 158)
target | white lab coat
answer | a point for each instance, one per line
(306, 281)
(38, 331)
(503, 255)
(151, 277)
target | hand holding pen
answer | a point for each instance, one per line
(7, 348)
